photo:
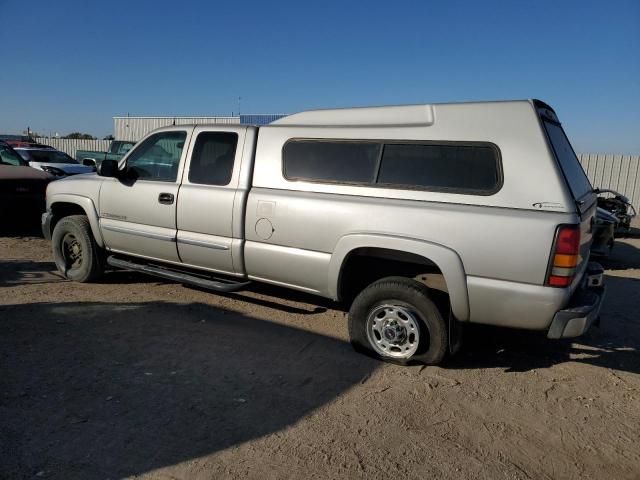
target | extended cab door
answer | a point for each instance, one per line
(138, 209)
(210, 202)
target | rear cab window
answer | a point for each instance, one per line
(574, 174)
(213, 158)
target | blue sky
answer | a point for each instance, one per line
(72, 66)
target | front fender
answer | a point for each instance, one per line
(446, 259)
(86, 204)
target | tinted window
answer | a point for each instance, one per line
(577, 179)
(10, 157)
(123, 147)
(464, 168)
(158, 157)
(440, 167)
(349, 162)
(24, 154)
(213, 157)
(49, 156)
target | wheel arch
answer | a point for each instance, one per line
(63, 205)
(427, 253)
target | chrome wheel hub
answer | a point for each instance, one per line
(71, 252)
(392, 331)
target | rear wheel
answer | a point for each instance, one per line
(75, 251)
(394, 320)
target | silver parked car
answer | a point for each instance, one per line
(52, 161)
(359, 205)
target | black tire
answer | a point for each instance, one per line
(75, 251)
(408, 294)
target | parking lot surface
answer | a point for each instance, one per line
(137, 377)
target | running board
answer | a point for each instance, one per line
(218, 285)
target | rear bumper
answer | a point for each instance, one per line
(583, 309)
(45, 223)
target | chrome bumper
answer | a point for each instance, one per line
(584, 306)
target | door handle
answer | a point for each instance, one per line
(165, 198)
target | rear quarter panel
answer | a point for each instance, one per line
(500, 243)
(503, 240)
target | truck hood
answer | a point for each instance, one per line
(13, 172)
(68, 168)
(87, 185)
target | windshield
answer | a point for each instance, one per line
(9, 157)
(50, 156)
(121, 148)
(576, 178)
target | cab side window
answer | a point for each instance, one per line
(158, 157)
(213, 158)
(9, 157)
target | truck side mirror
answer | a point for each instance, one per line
(108, 168)
(89, 162)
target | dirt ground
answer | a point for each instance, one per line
(138, 377)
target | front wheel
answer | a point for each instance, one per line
(75, 251)
(394, 320)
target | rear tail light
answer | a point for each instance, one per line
(565, 256)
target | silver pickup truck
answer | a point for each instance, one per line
(366, 206)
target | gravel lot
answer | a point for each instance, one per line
(138, 377)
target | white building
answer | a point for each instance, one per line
(134, 128)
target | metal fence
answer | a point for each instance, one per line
(616, 172)
(71, 145)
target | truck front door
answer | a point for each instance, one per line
(138, 209)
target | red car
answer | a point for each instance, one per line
(23, 143)
(22, 188)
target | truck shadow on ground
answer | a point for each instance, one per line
(20, 223)
(279, 298)
(623, 257)
(615, 344)
(22, 272)
(105, 390)
(634, 232)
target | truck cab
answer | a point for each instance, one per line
(181, 197)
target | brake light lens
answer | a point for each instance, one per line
(566, 256)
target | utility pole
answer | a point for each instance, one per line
(239, 99)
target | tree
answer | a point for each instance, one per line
(82, 136)
(108, 137)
